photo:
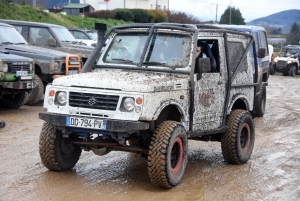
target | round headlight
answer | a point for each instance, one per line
(4, 67)
(129, 104)
(62, 97)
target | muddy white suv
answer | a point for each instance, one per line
(147, 96)
(287, 62)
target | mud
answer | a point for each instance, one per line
(272, 173)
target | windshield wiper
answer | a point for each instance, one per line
(20, 43)
(65, 41)
(153, 63)
(7, 43)
(122, 59)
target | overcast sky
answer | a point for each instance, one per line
(205, 10)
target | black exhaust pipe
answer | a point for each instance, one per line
(90, 62)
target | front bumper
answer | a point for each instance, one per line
(19, 85)
(111, 125)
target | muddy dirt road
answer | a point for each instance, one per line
(272, 173)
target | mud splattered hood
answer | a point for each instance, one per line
(137, 81)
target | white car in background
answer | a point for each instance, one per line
(271, 58)
(83, 36)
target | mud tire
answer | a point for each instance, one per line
(167, 157)
(14, 102)
(37, 92)
(292, 71)
(56, 152)
(260, 102)
(238, 142)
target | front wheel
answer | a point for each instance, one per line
(238, 142)
(37, 92)
(57, 153)
(292, 71)
(167, 154)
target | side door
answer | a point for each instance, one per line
(262, 37)
(210, 91)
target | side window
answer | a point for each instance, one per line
(39, 36)
(80, 35)
(236, 51)
(255, 36)
(263, 41)
(210, 49)
(19, 28)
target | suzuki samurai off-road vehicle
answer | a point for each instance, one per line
(149, 94)
(260, 38)
(50, 36)
(287, 62)
(16, 79)
(48, 63)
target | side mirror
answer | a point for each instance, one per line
(51, 42)
(261, 52)
(202, 66)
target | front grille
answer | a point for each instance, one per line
(94, 101)
(281, 63)
(15, 68)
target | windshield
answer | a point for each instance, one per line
(164, 49)
(10, 35)
(63, 34)
(288, 52)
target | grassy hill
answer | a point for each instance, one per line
(27, 13)
(284, 20)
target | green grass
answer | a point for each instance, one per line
(27, 13)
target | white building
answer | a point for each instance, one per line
(113, 4)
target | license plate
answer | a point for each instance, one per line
(82, 122)
(21, 73)
(72, 72)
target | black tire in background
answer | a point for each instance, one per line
(260, 102)
(56, 152)
(37, 93)
(292, 71)
(238, 142)
(14, 101)
(272, 70)
(167, 154)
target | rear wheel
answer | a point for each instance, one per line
(37, 92)
(57, 153)
(167, 154)
(260, 102)
(238, 142)
(14, 101)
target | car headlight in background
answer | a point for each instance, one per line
(3, 67)
(61, 97)
(54, 66)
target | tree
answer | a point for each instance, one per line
(293, 37)
(236, 16)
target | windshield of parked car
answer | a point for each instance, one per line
(9, 35)
(63, 34)
(93, 35)
(164, 49)
(289, 52)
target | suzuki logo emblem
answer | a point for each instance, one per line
(92, 101)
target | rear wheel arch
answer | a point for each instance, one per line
(239, 102)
